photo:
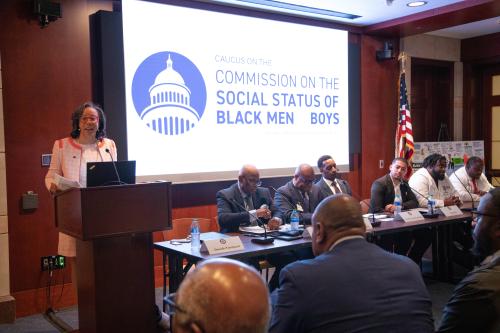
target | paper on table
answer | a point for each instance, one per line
(253, 229)
(65, 183)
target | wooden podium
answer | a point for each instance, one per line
(114, 252)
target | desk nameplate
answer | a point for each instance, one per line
(451, 211)
(410, 216)
(222, 245)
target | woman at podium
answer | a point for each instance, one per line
(68, 166)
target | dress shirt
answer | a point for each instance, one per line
(460, 178)
(334, 185)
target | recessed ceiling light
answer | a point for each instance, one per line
(416, 3)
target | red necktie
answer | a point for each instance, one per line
(474, 187)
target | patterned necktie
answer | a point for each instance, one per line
(336, 187)
(248, 202)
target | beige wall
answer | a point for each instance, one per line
(438, 48)
(4, 239)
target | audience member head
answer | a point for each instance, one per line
(436, 165)
(222, 295)
(487, 230)
(304, 177)
(249, 179)
(337, 216)
(398, 168)
(474, 167)
(327, 167)
(85, 116)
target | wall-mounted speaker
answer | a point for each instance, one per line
(47, 11)
(386, 53)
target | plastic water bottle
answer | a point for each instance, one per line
(398, 202)
(195, 235)
(431, 203)
(294, 220)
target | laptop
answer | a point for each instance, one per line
(104, 174)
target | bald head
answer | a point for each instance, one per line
(487, 231)
(249, 178)
(303, 177)
(222, 295)
(337, 216)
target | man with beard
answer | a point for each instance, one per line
(431, 180)
(475, 303)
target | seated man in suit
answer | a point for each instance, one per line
(221, 295)
(470, 181)
(383, 193)
(300, 194)
(475, 303)
(331, 183)
(351, 285)
(242, 204)
(245, 201)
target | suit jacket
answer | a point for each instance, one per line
(354, 287)
(231, 215)
(475, 303)
(382, 194)
(327, 191)
(288, 196)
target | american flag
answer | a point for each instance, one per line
(404, 132)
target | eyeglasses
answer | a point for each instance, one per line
(89, 118)
(257, 182)
(173, 308)
(306, 181)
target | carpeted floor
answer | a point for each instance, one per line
(439, 291)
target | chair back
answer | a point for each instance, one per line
(365, 206)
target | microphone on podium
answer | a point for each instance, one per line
(114, 166)
(257, 240)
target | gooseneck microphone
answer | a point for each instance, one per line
(426, 215)
(114, 166)
(470, 194)
(372, 220)
(257, 240)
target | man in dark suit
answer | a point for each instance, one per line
(383, 194)
(330, 182)
(299, 194)
(475, 303)
(243, 202)
(351, 285)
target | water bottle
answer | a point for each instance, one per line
(430, 205)
(398, 202)
(294, 220)
(195, 235)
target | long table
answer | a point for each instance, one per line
(441, 247)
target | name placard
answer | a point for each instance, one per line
(410, 216)
(451, 211)
(222, 245)
(307, 234)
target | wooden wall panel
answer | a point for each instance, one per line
(379, 107)
(46, 73)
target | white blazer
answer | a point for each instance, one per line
(423, 182)
(460, 178)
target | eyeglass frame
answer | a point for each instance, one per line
(173, 307)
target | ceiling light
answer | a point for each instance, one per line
(416, 3)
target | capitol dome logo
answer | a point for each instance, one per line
(169, 93)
